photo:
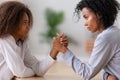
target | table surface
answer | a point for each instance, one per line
(59, 71)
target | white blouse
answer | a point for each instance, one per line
(17, 60)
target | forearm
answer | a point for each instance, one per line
(41, 67)
(79, 67)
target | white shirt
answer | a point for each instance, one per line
(105, 55)
(17, 60)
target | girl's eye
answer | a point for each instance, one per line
(26, 23)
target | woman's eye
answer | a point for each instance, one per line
(86, 17)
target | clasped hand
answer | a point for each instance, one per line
(60, 43)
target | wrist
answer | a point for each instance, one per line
(65, 49)
(53, 53)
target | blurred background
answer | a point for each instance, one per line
(57, 16)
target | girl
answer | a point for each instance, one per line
(15, 56)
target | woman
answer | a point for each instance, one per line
(15, 56)
(99, 16)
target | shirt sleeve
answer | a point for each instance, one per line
(15, 62)
(101, 55)
(39, 67)
(105, 75)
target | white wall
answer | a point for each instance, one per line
(69, 26)
(8, 0)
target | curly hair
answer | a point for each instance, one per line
(106, 9)
(11, 13)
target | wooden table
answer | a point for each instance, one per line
(59, 71)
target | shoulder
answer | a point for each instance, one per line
(109, 35)
(2, 45)
(2, 41)
(7, 41)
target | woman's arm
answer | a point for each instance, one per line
(97, 60)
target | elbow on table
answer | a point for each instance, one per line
(40, 74)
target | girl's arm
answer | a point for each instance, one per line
(39, 67)
(14, 62)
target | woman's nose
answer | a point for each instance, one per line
(28, 26)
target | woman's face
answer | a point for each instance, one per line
(91, 20)
(24, 27)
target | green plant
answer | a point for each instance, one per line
(53, 19)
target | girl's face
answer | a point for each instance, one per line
(91, 20)
(24, 28)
